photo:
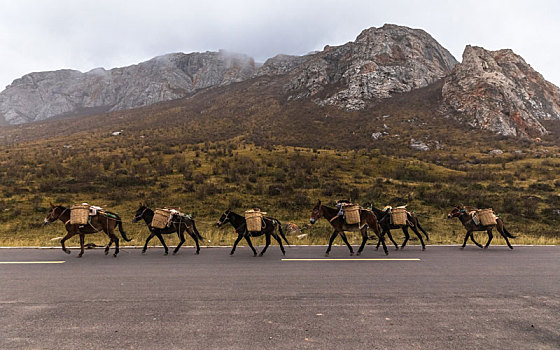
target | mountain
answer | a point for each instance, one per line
(500, 92)
(38, 96)
(380, 63)
(490, 90)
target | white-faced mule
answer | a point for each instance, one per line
(101, 222)
(467, 220)
(179, 224)
(268, 230)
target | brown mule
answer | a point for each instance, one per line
(367, 219)
(466, 219)
(105, 222)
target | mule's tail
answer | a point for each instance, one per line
(121, 230)
(422, 229)
(277, 222)
(507, 233)
(198, 235)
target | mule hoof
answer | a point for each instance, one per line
(386, 253)
(351, 253)
(423, 248)
(327, 254)
(197, 252)
(166, 253)
(143, 252)
(358, 254)
(66, 251)
(231, 253)
(510, 247)
(115, 255)
(79, 256)
(106, 252)
(397, 248)
(260, 254)
(463, 247)
(174, 253)
(255, 255)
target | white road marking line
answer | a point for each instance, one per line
(356, 259)
(30, 262)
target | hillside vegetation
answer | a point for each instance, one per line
(243, 146)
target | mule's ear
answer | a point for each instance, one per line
(318, 202)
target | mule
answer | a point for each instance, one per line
(367, 219)
(179, 224)
(467, 221)
(384, 219)
(103, 221)
(268, 230)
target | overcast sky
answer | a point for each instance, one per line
(39, 35)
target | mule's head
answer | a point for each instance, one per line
(315, 213)
(139, 215)
(224, 219)
(455, 212)
(54, 214)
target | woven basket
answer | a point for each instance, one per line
(352, 214)
(398, 216)
(254, 220)
(486, 217)
(79, 214)
(161, 218)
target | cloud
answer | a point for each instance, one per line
(49, 35)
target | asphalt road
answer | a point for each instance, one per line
(449, 299)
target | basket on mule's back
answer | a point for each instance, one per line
(486, 217)
(254, 220)
(161, 218)
(398, 216)
(79, 214)
(352, 214)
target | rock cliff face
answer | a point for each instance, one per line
(499, 91)
(38, 96)
(381, 62)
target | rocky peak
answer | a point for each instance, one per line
(37, 96)
(379, 63)
(500, 92)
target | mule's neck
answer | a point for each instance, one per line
(378, 212)
(64, 215)
(328, 213)
(148, 216)
(465, 218)
(236, 220)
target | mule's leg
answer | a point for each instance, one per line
(108, 245)
(505, 237)
(333, 236)
(364, 240)
(382, 238)
(415, 230)
(280, 243)
(490, 236)
(267, 240)
(181, 236)
(68, 236)
(248, 239)
(388, 232)
(146, 244)
(82, 239)
(195, 238)
(162, 241)
(239, 237)
(474, 241)
(115, 239)
(406, 236)
(465, 240)
(343, 236)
